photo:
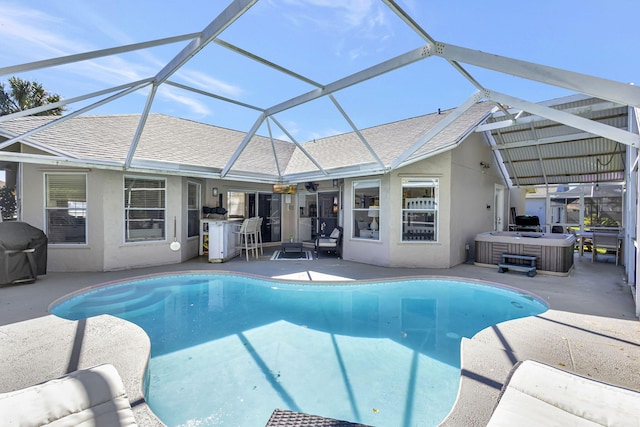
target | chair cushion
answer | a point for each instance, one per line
(540, 395)
(335, 233)
(327, 242)
(90, 397)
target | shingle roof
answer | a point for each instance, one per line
(388, 141)
(175, 140)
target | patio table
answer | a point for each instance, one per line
(288, 247)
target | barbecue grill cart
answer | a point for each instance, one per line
(23, 253)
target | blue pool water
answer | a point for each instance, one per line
(226, 350)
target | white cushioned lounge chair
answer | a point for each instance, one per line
(536, 394)
(90, 397)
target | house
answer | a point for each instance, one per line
(114, 191)
(99, 217)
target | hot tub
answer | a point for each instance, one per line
(554, 251)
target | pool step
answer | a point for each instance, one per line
(127, 308)
(505, 265)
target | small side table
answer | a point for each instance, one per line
(288, 247)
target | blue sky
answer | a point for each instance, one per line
(323, 40)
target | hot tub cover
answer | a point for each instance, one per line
(23, 252)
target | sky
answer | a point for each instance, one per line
(323, 40)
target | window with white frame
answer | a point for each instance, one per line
(66, 208)
(366, 209)
(144, 209)
(193, 209)
(419, 209)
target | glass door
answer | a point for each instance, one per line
(328, 207)
(269, 210)
(308, 210)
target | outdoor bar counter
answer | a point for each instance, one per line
(554, 251)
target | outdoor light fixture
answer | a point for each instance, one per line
(214, 191)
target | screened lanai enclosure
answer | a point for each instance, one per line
(285, 112)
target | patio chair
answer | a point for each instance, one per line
(607, 241)
(536, 394)
(248, 235)
(88, 397)
(259, 234)
(333, 243)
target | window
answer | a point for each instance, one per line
(366, 209)
(66, 208)
(419, 209)
(236, 205)
(144, 209)
(193, 209)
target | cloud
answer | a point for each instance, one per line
(324, 133)
(210, 84)
(30, 35)
(33, 34)
(179, 97)
(360, 18)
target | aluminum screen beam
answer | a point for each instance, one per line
(46, 107)
(434, 45)
(213, 95)
(300, 147)
(568, 119)
(273, 148)
(595, 86)
(357, 132)
(543, 141)
(439, 127)
(266, 62)
(46, 63)
(602, 106)
(243, 145)
(366, 74)
(140, 128)
(73, 114)
(218, 25)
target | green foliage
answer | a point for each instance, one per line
(21, 95)
(7, 203)
(602, 221)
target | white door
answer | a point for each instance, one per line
(498, 207)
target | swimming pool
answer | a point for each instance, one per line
(226, 349)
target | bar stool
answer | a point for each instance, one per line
(248, 239)
(259, 234)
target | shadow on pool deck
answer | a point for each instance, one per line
(590, 328)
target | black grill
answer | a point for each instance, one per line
(23, 253)
(527, 223)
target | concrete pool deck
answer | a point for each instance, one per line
(590, 328)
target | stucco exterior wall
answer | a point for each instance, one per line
(72, 257)
(419, 253)
(473, 189)
(390, 250)
(367, 250)
(466, 207)
(466, 199)
(105, 249)
(121, 255)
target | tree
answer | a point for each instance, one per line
(7, 203)
(22, 95)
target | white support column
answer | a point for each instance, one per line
(635, 247)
